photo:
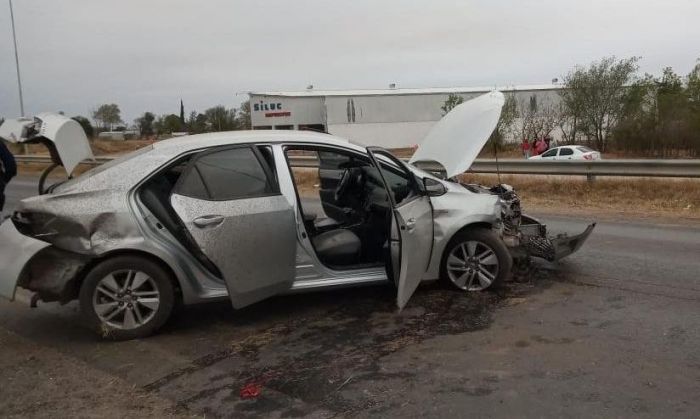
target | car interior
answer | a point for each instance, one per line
(345, 206)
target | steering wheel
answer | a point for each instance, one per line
(342, 185)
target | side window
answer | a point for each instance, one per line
(332, 160)
(566, 152)
(399, 183)
(233, 173)
(399, 179)
(550, 153)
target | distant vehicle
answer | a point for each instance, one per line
(117, 135)
(221, 215)
(568, 152)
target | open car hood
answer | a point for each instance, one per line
(459, 136)
(63, 136)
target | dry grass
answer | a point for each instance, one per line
(99, 147)
(307, 181)
(645, 197)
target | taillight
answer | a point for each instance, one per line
(34, 224)
(588, 156)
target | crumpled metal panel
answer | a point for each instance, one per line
(84, 222)
(50, 272)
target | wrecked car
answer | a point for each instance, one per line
(248, 215)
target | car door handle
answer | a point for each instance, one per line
(208, 220)
(411, 224)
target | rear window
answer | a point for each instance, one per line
(112, 163)
(584, 149)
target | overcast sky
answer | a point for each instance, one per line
(147, 54)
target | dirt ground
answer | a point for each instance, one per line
(38, 382)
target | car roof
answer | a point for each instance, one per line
(191, 142)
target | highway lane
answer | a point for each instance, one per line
(609, 332)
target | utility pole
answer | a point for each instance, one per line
(19, 79)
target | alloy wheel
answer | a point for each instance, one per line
(126, 299)
(472, 265)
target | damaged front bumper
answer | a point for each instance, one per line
(526, 236)
(534, 241)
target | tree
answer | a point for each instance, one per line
(221, 119)
(107, 115)
(537, 119)
(167, 124)
(694, 86)
(145, 123)
(196, 123)
(85, 123)
(244, 121)
(596, 95)
(182, 113)
(452, 101)
(505, 124)
(661, 116)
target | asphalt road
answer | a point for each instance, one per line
(612, 331)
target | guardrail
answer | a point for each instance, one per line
(643, 168)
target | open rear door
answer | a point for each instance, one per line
(413, 215)
(231, 206)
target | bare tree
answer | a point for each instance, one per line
(537, 118)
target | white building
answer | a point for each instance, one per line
(389, 118)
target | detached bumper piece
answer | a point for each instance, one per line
(537, 243)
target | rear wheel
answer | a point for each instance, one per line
(127, 297)
(475, 260)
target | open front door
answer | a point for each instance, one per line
(413, 216)
(231, 206)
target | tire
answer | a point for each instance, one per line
(126, 297)
(466, 272)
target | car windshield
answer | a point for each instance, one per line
(584, 149)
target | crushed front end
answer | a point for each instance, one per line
(526, 236)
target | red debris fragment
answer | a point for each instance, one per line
(250, 391)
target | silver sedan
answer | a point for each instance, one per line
(248, 215)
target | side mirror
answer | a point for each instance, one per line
(433, 187)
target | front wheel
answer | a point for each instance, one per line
(474, 260)
(127, 297)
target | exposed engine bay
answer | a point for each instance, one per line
(525, 235)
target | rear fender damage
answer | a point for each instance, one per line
(77, 222)
(54, 274)
(74, 229)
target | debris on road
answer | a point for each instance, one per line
(251, 391)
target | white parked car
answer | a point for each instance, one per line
(569, 152)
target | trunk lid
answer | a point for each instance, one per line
(63, 136)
